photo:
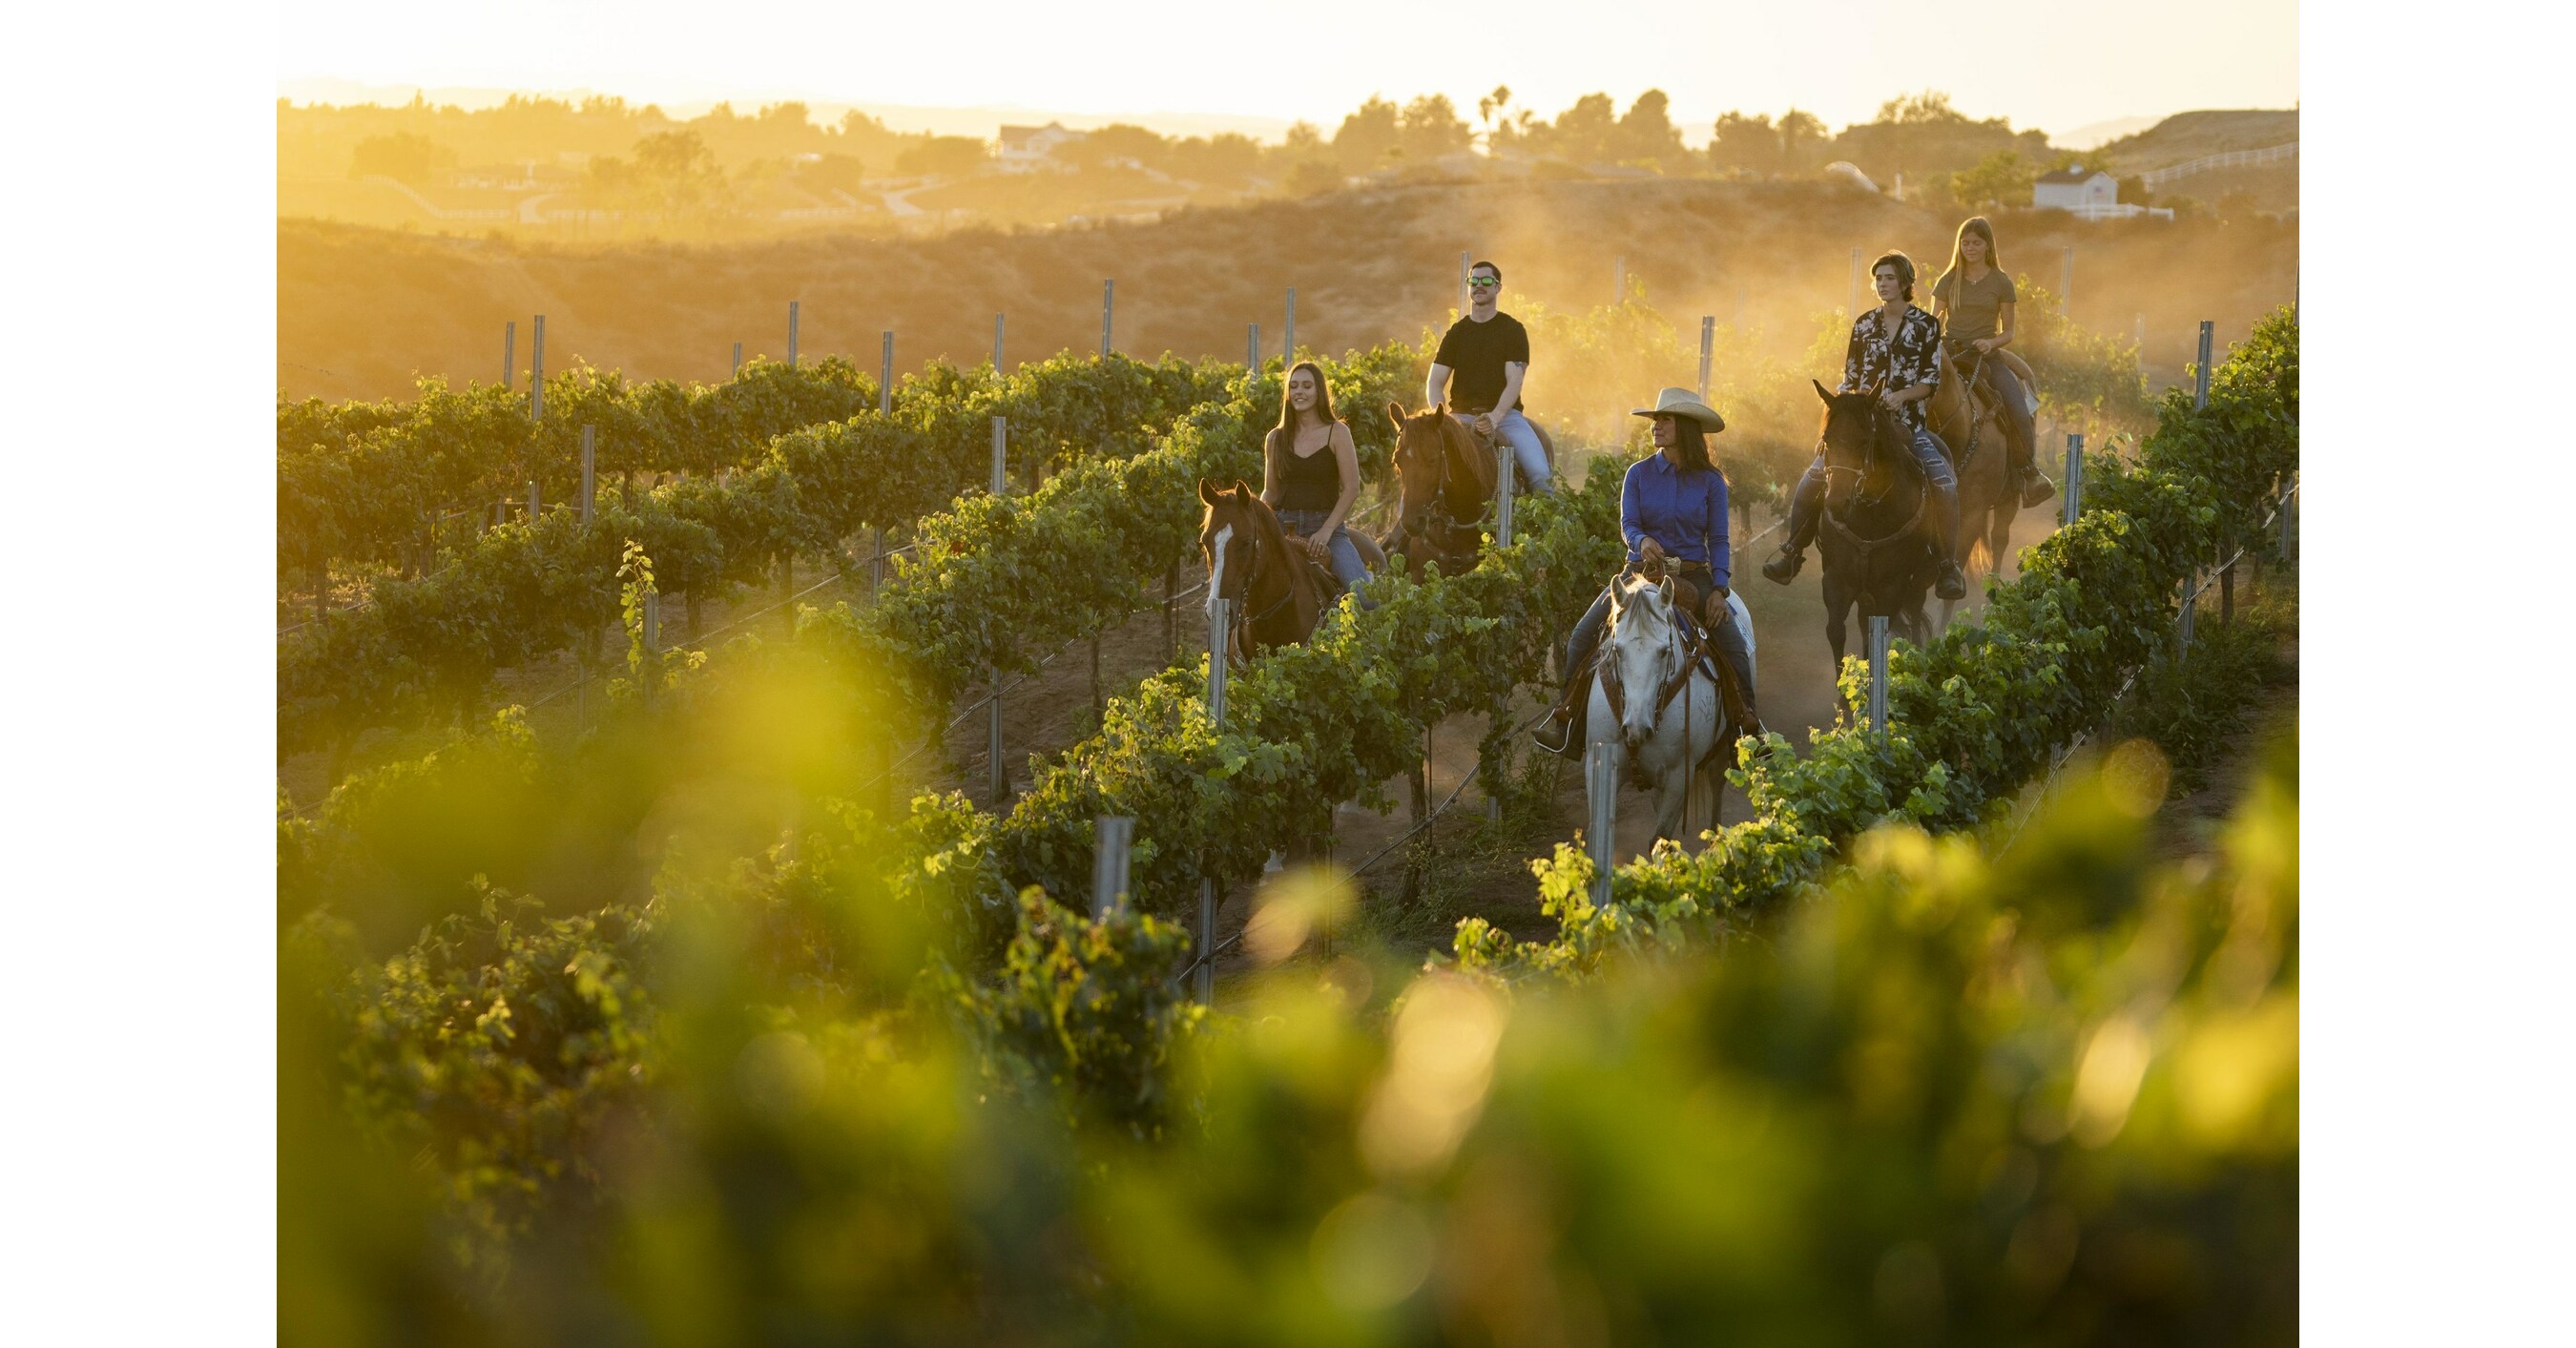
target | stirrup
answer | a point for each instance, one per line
(1784, 564)
(1562, 747)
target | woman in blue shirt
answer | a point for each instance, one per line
(1672, 510)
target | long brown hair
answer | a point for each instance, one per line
(1284, 435)
(1975, 224)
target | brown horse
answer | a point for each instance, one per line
(1973, 429)
(1447, 476)
(1277, 591)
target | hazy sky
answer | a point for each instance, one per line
(2053, 64)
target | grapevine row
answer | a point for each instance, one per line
(991, 579)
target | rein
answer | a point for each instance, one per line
(1842, 530)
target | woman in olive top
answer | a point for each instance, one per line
(1974, 301)
(1310, 474)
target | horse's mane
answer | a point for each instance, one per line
(1274, 539)
(1480, 466)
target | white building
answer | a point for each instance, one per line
(2090, 193)
(1026, 149)
(2075, 189)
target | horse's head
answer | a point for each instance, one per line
(1855, 428)
(1228, 531)
(1644, 649)
(1422, 459)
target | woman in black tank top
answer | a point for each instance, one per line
(1310, 473)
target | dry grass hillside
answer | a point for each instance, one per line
(2189, 135)
(361, 312)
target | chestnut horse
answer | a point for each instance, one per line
(1277, 591)
(1446, 477)
(1876, 533)
(1972, 427)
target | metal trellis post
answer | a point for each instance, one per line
(1108, 306)
(1206, 943)
(1111, 833)
(509, 353)
(2074, 478)
(1878, 674)
(589, 470)
(1707, 350)
(1601, 790)
(791, 334)
(2200, 376)
(1288, 330)
(537, 371)
(885, 376)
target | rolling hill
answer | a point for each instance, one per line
(362, 312)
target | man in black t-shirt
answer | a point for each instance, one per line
(1482, 360)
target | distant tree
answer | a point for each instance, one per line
(402, 156)
(1367, 135)
(2002, 178)
(1646, 134)
(1118, 140)
(1582, 134)
(1801, 133)
(1928, 108)
(1227, 160)
(1745, 144)
(943, 157)
(1431, 128)
(2133, 190)
(1921, 134)
(1490, 107)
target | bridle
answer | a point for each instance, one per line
(1835, 519)
(1243, 620)
(1437, 516)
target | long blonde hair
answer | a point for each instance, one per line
(1975, 224)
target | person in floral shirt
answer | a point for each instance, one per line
(1894, 347)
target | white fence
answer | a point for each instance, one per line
(2231, 159)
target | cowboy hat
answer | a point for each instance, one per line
(1681, 402)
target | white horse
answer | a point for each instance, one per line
(1659, 736)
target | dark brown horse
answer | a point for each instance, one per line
(1876, 528)
(1446, 476)
(1277, 591)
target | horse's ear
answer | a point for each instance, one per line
(1664, 588)
(1821, 393)
(1395, 413)
(1243, 488)
(1208, 491)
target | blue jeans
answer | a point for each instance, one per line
(1810, 494)
(2021, 431)
(1514, 430)
(1347, 567)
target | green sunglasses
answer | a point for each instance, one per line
(1483, 282)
